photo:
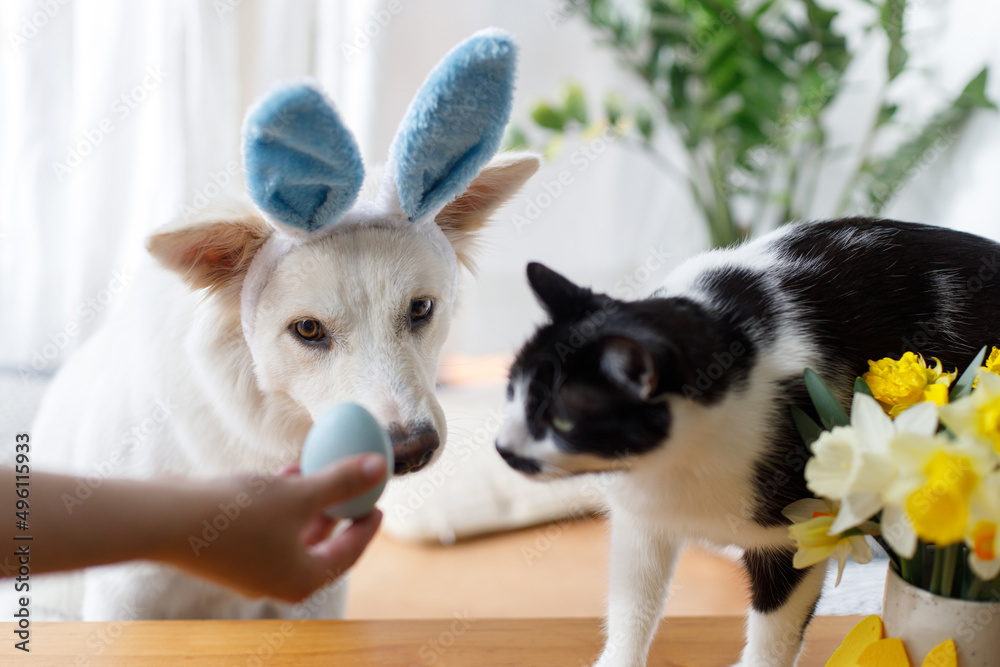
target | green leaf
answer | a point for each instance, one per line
(831, 412)
(886, 113)
(892, 22)
(644, 123)
(964, 384)
(515, 139)
(973, 96)
(574, 103)
(548, 117)
(614, 106)
(861, 387)
(808, 429)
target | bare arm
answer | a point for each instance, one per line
(261, 536)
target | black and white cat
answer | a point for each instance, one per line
(686, 395)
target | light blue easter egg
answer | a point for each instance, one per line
(343, 431)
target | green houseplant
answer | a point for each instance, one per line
(744, 86)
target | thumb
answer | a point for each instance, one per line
(346, 479)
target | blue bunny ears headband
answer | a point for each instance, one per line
(304, 171)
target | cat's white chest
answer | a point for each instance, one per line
(700, 485)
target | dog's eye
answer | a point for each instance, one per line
(309, 330)
(420, 309)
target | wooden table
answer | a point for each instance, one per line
(688, 641)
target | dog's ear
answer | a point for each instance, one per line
(500, 179)
(212, 253)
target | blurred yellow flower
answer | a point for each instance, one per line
(978, 414)
(812, 519)
(900, 384)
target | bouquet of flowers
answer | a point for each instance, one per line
(917, 467)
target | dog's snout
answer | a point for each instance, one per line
(519, 463)
(414, 447)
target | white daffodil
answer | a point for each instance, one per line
(983, 538)
(853, 464)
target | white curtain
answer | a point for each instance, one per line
(117, 116)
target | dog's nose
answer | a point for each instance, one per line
(412, 447)
(519, 463)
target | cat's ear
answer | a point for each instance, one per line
(560, 297)
(629, 365)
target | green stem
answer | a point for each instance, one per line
(991, 591)
(726, 231)
(918, 567)
(813, 180)
(951, 554)
(937, 572)
(975, 588)
(866, 147)
(906, 569)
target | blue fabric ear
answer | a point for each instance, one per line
(455, 123)
(301, 164)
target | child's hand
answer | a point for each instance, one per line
(279, 545)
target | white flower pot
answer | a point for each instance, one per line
(923, 620)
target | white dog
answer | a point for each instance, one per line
(221, 364)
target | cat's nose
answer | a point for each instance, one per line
(413, 447)
(519, 463)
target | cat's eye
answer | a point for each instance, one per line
(420, 310)
(309, 331)
(562, 425)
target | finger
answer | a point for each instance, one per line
(317, 529)
(290, 470)
(346, 479)
(341, 552)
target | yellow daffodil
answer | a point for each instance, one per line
(900, 384)
(939, 487)
(853, 464)
(939, 509)
(992, 364)
(811, 520)
(978, 414)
